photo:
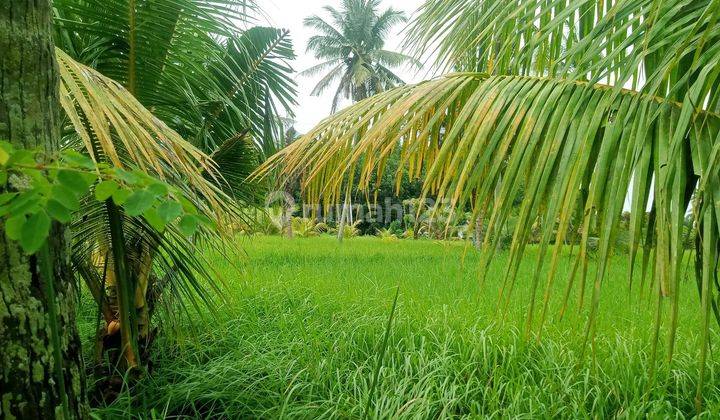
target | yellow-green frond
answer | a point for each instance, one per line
(112, 123)
(580, 155)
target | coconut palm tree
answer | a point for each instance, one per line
(581, 103)
(351, 45)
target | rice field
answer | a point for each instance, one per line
(304, 334)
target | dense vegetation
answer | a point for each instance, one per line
(548, 228)
(303, 325)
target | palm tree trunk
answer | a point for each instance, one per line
(41, 370)
(478, 232)
(343, 218)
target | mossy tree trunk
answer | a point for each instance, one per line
(30, 385)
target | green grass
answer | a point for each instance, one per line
(305, 319)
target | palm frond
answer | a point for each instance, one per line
(395, 59)
(316, 69)
(577, 150)
(259, 83)
(103, 113)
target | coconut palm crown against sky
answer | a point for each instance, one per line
(289, 14)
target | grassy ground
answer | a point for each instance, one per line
(304, 323)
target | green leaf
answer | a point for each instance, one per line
(6, 197)
(143, 178)
(126, 177)
(187, 205)
(58, 211)
(188, 224)
(35, 232)
(154, 219)
(138, 202)
(6, 149)
(65, 196)
(22, 157)
(39, 179)
(3, 177)
(120, 196)
(77, 159)
(26, 203)
(158, 188)
(76, 182)
(169, 211)
(14, 225)
(105, 190)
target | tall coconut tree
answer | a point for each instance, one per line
(41, 370)
(585, 105)
(351, 45)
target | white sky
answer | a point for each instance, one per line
(289, 14)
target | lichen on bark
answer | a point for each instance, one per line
(29, 107)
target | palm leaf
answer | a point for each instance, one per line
(479, 139)
(102, 112)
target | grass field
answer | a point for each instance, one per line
(304, 324)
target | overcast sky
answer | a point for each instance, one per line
(289, 14)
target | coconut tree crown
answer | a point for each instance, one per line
(352, 46)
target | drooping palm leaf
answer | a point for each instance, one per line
(669, 49)
(577, 150)
(162, 68)
(103, 112)
(192, 63)
(111, 125)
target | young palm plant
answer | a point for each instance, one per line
(156, 255)
(164, 71)
(525, 108)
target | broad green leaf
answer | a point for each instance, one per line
(105, 189)
(138, 202)
(39, 181)
(65, 197)
(158, 188)
(187, 205)
(75, 181)
(58, 211)
(3, 178)
(169, 211)
(154, 219)
(6, 149)
(22, 157)
(77, 159)
(127, 177)
(6, 197)
(120, 196)
(188, 224)
(27, 202)
(34, 232)
(14, 226)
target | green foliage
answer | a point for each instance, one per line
(395, 228)
(351, 48)
(195, 65)
(539, 102)
(305, 319)
(306, 227)
(387, 235)
(38, 189)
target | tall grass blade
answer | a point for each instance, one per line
(381, 354)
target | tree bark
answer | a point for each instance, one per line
(30, 385)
